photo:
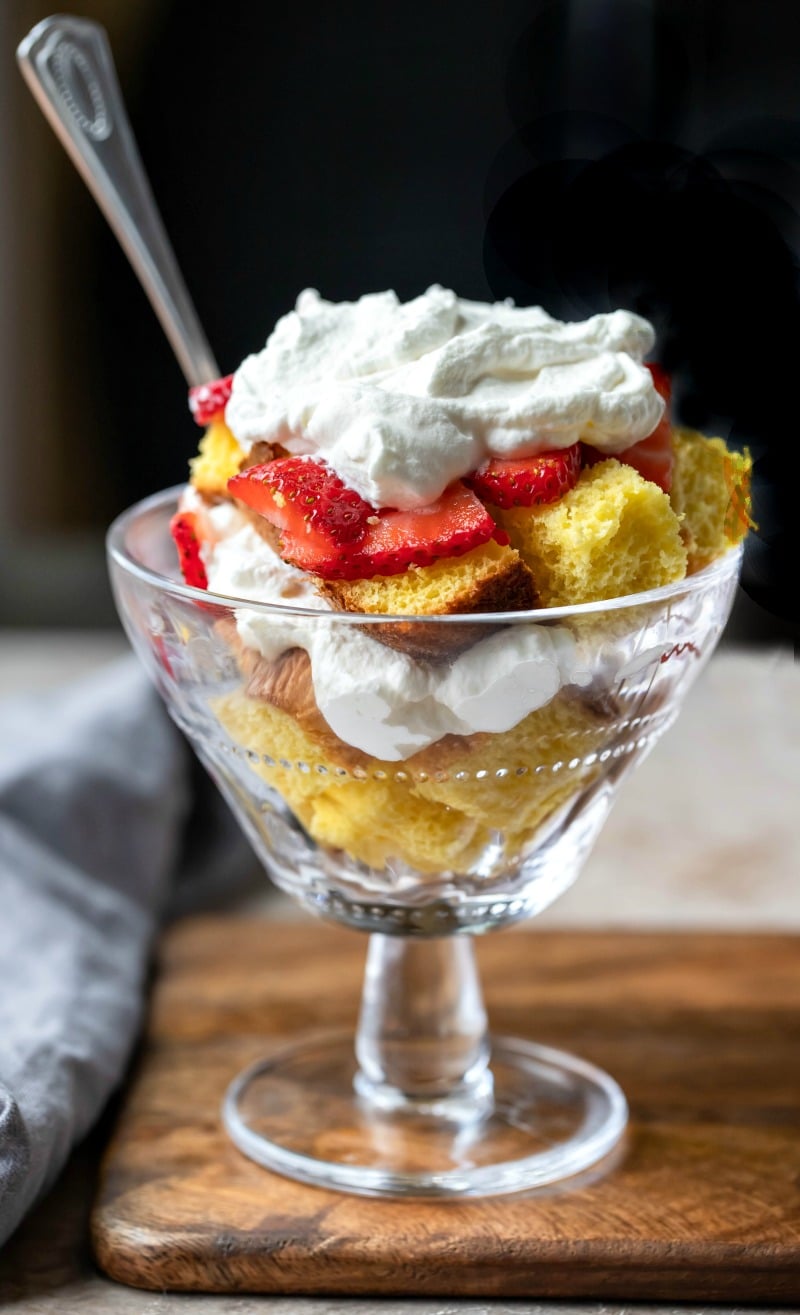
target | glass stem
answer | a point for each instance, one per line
(422, 1040)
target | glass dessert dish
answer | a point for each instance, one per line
(421, 834)
(419, 776)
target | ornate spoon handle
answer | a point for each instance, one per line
(68, 65)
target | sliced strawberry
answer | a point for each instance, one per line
(393, 540)
(300, 495)
(207, 401)
(529, 482)
(662, 382)
(183, 528)
(651, 456)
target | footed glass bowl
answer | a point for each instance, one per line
(456, 783)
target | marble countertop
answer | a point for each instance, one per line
(705, 834)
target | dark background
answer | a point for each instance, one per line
(583, 155)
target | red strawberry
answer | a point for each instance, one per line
(207, 401)
(393, 541)
(183, 528)
(396, 540)
(528, 482)
(303, 496)
(661, 381)
(651, 456)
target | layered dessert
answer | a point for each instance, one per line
(439, 458)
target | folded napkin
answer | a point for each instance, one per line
(107, 825)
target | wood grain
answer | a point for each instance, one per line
(702, 1203)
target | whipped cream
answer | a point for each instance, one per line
(401, 399)
(376, 699)
(390, 705)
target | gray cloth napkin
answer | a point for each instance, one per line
(107, 825)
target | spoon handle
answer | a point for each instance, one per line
(68, 65)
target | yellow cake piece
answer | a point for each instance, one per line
(430, 590)
(219, 457)
(515, 780)
(489, 578)
(614, 533)
(371, 810)
(711, 494)
(377, 821)
(269, 733)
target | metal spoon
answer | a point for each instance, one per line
(68, 65)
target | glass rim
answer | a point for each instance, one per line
(119, 554)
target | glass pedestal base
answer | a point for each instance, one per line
(551, 1116)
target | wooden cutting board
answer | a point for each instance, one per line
(702, 1203)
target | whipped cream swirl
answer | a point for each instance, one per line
(402, 399)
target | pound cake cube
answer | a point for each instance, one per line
(555, 748)
(363, 807)
(711, 494)
(489, 578)
(614, 533)
(219, 457)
